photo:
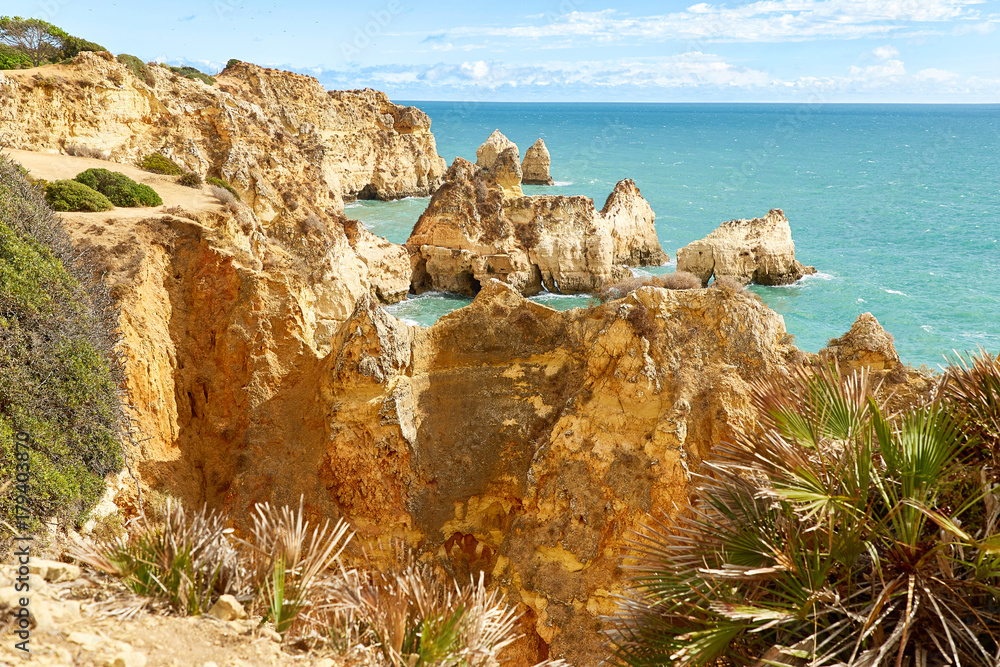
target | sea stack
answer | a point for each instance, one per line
(757, 251)
(491, 149)
(535, 166)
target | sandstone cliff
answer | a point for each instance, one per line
(535, 166)
(757, 251)
(473, 231)
(283, 141)
(491, 149)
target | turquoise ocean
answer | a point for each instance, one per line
(897, 206)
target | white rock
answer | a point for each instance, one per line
(227, 608)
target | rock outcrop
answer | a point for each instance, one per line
(280, 138)
(757, 251)
(632, 227)
(535, 166)
(473, 231)
(491, 149)
(866, 345)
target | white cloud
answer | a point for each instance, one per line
(891, 68)
(936, 75)
(762, 21)
(885, 52)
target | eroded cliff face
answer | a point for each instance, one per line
(475, 229)
(283, 141)
(758, 250)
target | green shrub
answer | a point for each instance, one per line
(137, 68)
(212, 180)
(190, 179)
(233, 62)
(73, 46)
(59, 371)
(831, 533)
(160, 164)
(192, 73)
(11, 58)
(119, 188)
(74, 196)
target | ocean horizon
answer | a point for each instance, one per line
(896, 205)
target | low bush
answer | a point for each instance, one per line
(75, 196)
(192, 73)
(60, 371)
(727, 284)
(680, 280)
(224, 196)
(218, 182)
(119, 188)
(138, 68)
(190, 179)
(160, 164)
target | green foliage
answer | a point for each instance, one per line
(119, 188)
(74, 196)
(218, 182)
(73, 46)
(186, 559)
(190, 179)
(59, 371)
(192, 73)
(160, 164)
(36, 39)
(138, 69)
(11, 58)
(831, 534)
(232, 62)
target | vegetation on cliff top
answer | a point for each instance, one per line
(74, 196)
(833, 534)
(33, 42)
(119, 188)
(59, 371)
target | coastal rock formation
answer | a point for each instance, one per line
(506, 173)
(491, 149)
(757, 251)
(473, 231)
(632, 227)
(280, 138)
(867, 344)
(535, 166)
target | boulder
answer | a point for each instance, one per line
(867, 344)
(757, 251)
(491, 149)
(474, 230)
(535, 166)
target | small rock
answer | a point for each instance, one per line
(128, 659)
(87, 641)
(54, 571)
(227, 608)
(209, 664)
(270, 634)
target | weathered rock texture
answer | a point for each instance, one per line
(757, 251)
(280, 138)
(472, 231)
(491, 149)
(867, 344)
(535, 166)
(508, 439)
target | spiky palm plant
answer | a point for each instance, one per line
(186, 558)
(288, 556)
(830, 534)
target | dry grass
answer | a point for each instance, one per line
(678, 280)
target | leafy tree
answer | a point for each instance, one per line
(11, 58)
(73, 46)
(832, 534)
(35, 38)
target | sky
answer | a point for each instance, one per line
(815, 51)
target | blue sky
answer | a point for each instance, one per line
(575, 50)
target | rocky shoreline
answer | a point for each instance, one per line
(508, 440)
